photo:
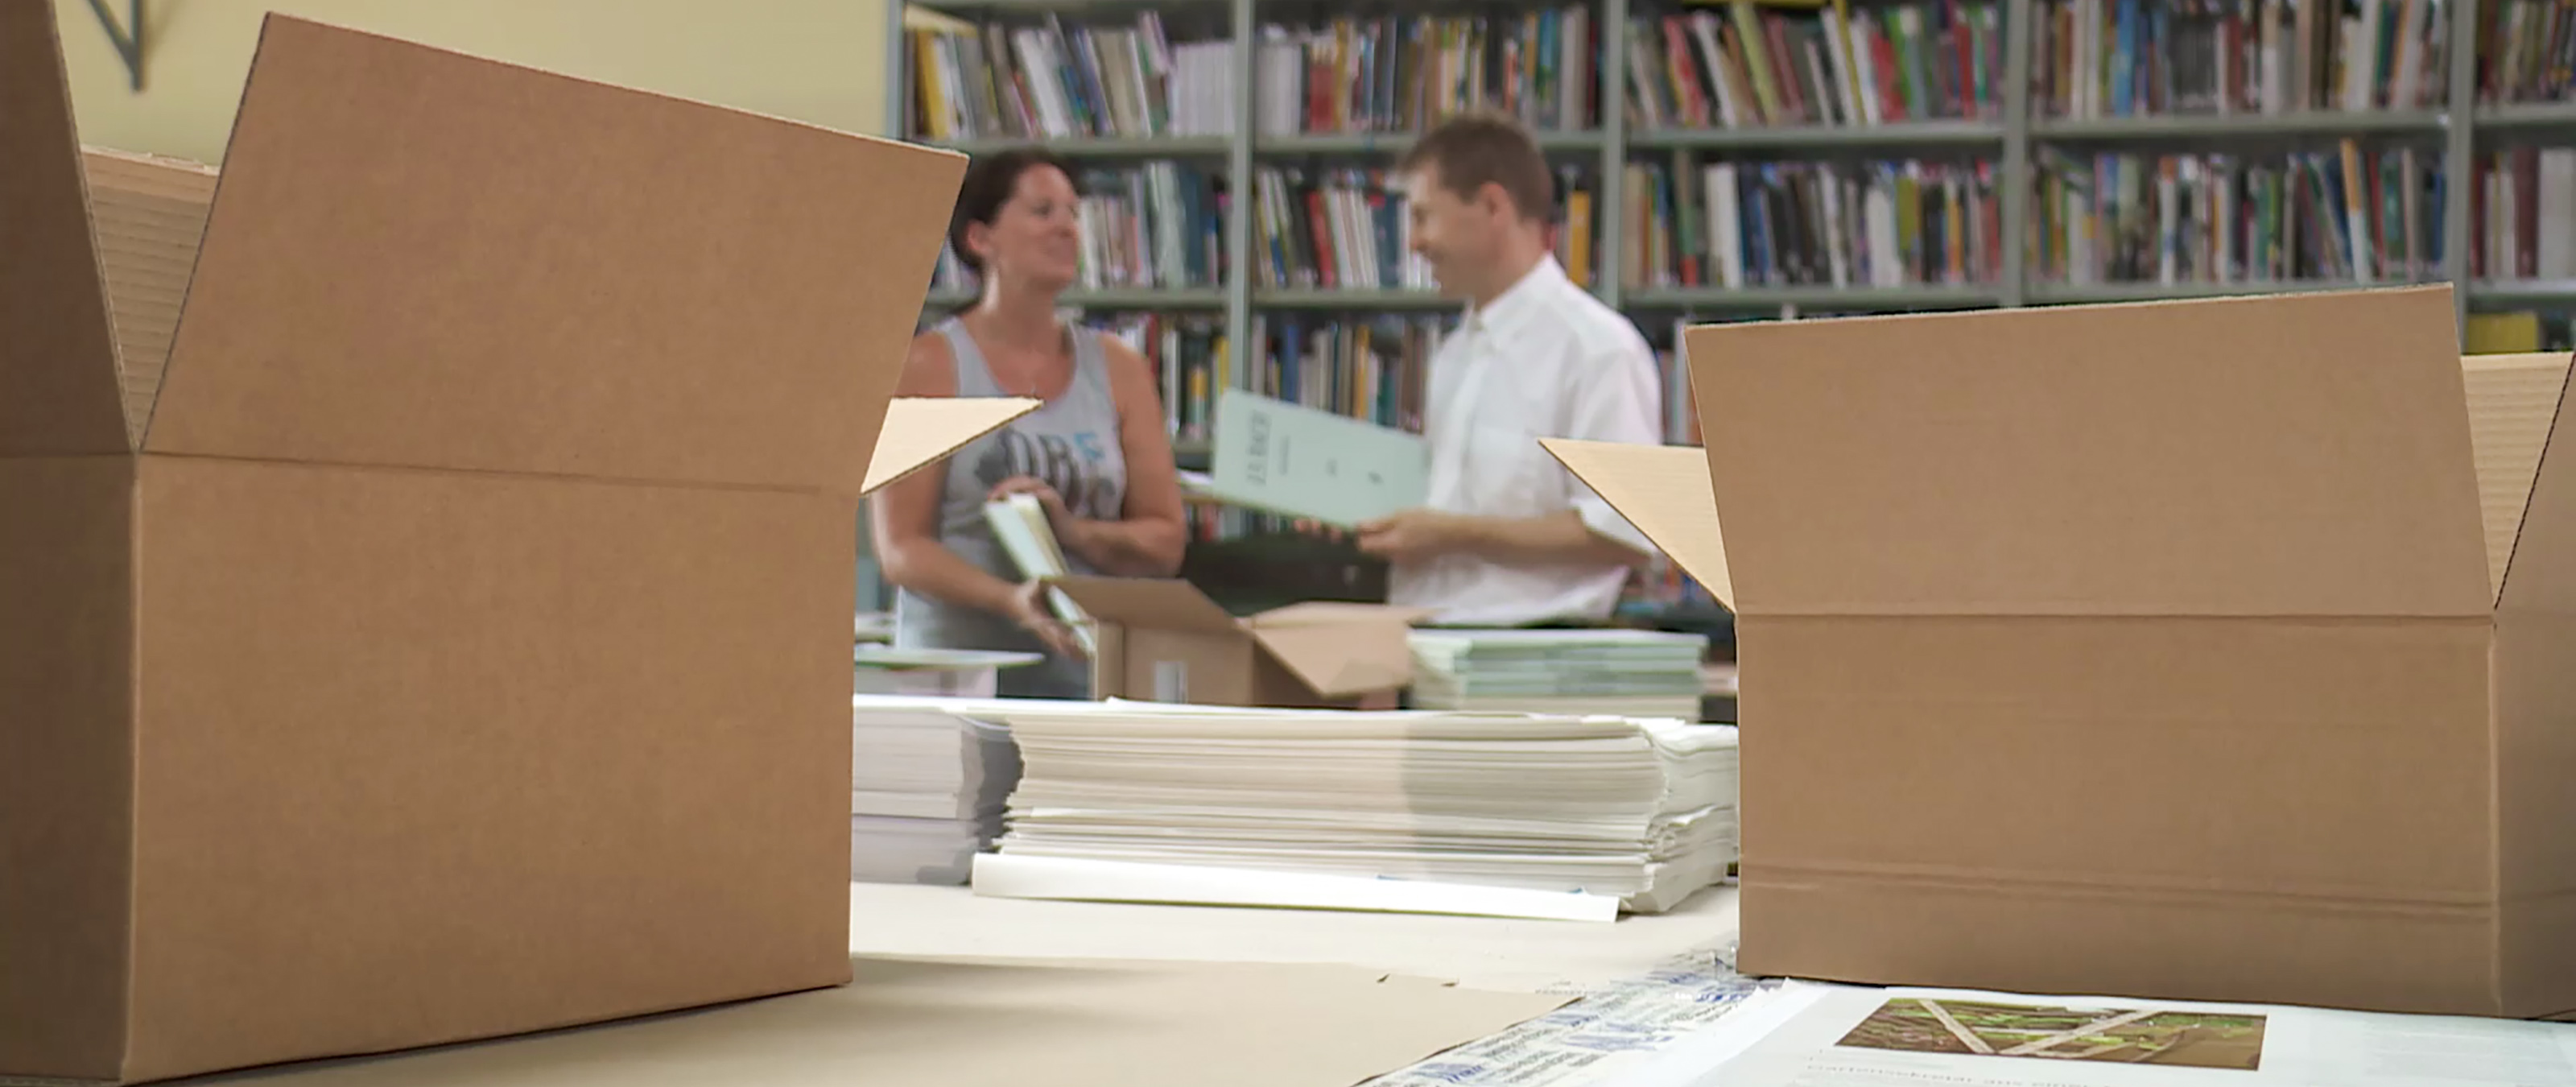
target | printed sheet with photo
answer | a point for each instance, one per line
(1811, 1035)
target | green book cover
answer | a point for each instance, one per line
(1300, 462)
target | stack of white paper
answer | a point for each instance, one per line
(1505, 814)
(1631, 673)
(928, 787)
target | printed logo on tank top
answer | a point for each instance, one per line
(1073, 464)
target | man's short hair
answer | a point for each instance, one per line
(1473, 150)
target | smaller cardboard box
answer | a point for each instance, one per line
(2210, 651)
(1165, 641)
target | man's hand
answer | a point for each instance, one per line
(1318, 529)
(1413, 534)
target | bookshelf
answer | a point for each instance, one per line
(2016, 125)
(2447, 88)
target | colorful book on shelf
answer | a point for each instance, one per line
(1298, 462)
(1020, 523)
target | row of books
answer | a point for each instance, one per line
(1337, 229)
(1747, 67)
(1403, 73)
(2367, 216)
(1156, 225)
(2526, 51)
(1188, 354)
(1752, 68)
(1349, 229)
(1882, 224)
(2525, 205)
(1047, 79)
(1373, 369)
(1367, 368)
(2124, 58)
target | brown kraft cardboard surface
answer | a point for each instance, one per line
(1162, 640)
(2206, 650)
(448, 641)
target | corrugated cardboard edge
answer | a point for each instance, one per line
(921, 430)
(1665, 491)
(58, 388)
(2534, 694)
(2513, 406)
(149, 213)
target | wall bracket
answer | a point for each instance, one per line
(126, 36)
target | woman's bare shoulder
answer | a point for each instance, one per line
(929, 367)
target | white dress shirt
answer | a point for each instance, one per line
(1544, 360)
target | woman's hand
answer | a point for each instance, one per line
(1027, 606)
(1059, 517)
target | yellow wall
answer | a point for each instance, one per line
(819, 61)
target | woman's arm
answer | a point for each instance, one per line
(903, 516)
(1150, 534)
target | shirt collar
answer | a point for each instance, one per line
(1520, 301)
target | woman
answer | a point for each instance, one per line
(1095, 455)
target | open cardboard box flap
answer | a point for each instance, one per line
(1664, 491)
(2296, 455)
(2291, 557)
(1159, 603)
(311, 333)
(1336, 649)
(919, 431)
(466, 596)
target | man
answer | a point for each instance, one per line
(1509, 538)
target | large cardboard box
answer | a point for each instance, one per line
(452, 641)
(2160, 650)
(1163, 640)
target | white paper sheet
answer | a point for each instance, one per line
(1005, 875)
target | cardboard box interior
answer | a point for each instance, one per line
(423, 604)
(1163, 640)
(2179, 650)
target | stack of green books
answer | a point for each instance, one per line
(1629, 673)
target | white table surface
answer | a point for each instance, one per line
(905, 920)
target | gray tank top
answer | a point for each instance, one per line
(1072, 443)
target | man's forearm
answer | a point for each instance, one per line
(1553, 538)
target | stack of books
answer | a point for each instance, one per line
(1514, 815)
(1630, 673)
(930, 779)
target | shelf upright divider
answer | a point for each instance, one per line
(1239, 182)
(2460, 158)
(2015, 173)
(1610, 211)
